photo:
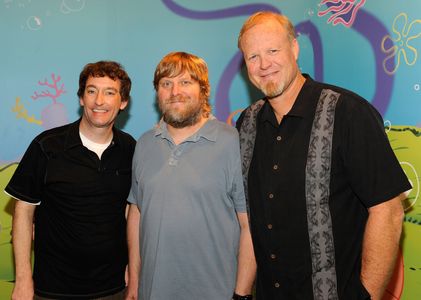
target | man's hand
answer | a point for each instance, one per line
(23, 290)
(131, 292)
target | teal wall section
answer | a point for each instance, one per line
(370, 47)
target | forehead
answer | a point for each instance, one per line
(103, 82)
(270, 31)
(183, 75)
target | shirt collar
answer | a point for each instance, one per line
(73, 137)
(208, 131)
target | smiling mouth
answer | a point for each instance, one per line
(99, 110)
(268, 75)
(175, 101)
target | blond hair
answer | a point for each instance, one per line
(263, 16)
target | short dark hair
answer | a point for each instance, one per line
(111, 69)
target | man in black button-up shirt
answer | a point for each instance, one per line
(324, 186)
(72, 183)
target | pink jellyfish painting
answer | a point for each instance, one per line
(343, 11)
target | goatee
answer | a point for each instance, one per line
(271, 90)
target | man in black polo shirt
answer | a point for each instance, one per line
(324, 186)
(72, 183)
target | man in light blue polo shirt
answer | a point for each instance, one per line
(187, 217)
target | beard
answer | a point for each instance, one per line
(188, 115)
(273, 90)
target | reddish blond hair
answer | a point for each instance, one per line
(263, 16)
(176, 63)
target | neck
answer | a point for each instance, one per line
(283, 103)
(179, 135)
(96, 134)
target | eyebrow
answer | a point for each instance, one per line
(184, 77)
(106, 88)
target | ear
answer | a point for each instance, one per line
(81, 102)
(295, 48)
(123, 104)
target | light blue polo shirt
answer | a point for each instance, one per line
(188, 195)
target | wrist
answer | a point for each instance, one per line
(241, 297)
(23, 278)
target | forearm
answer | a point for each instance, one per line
(22, 244)
(380, 246)
(133, 222)
(246, 271)
(22, 239)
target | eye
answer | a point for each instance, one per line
(252, 57)
(273, 51)
(185, 82)
(110, 92)
(165, 84)
(90, 91)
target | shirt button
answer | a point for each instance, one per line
(270, 226)
(278, 138)
(273, 256)
(271, 196)
(277, 285)
(275, 167)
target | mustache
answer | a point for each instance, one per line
(176, 99)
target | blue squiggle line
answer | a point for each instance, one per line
(315, 39)
(241, 10)
(373, 30)
(222, 105)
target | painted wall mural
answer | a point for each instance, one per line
(52, 115)
(341, 11)
(365, 46)
(400, 46)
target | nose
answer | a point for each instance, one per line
(265, 62)
(175, 90)
(99, 100)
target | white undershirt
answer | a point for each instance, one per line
(94, 147)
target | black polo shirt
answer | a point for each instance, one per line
(364, 172)
(80, 227)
